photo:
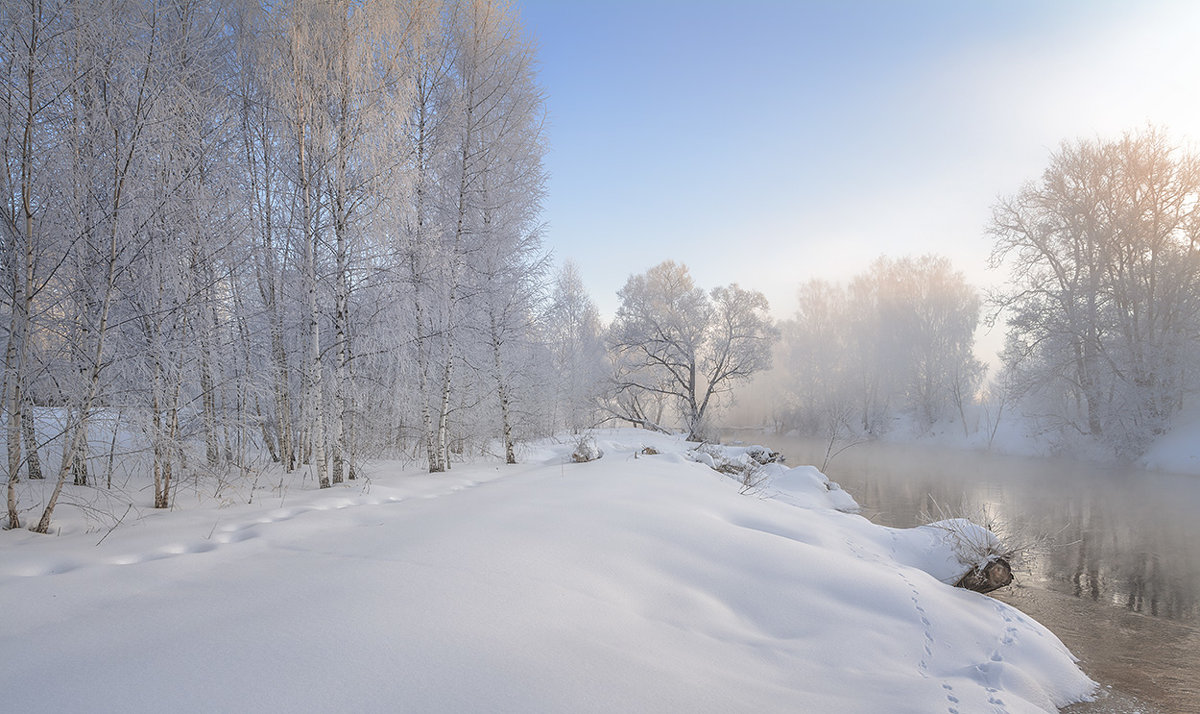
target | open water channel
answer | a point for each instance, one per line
(1109, 561)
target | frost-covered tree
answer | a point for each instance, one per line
(819, 386)
(507, 268)
(575, 337)
(927, 317)
(471, 241)
(899, 340)
(672, 339)
(1103, 255)
(232, 228)
(118, 98)
(35, 220)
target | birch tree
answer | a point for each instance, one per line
(265, 176)
(508, 267)
(427, 132)
(227, 226)
(481, 161)
(116, 53)
(33, 61)
(303, 56)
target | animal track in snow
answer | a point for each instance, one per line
(926, 626)
(953, 708)
(228, 534)
(1009, 638)
(168, 551)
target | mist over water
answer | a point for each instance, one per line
(1110, 556)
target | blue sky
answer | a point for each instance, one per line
(767, 143)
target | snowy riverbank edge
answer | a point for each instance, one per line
(1176, 452)
(636, 582)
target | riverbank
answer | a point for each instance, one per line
(1111, 557)
(636, 582)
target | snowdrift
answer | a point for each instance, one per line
(634, 583)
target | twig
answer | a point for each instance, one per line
(119, 521)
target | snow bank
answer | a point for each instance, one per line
(636, 582)
(806, 487)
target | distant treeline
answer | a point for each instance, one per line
(1101, 308)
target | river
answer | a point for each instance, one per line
(1109, 557)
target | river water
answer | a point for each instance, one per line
(1109, 557)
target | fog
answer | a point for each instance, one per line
(1100, 316)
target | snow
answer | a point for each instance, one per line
(806, 487)
(639, 583)
(1178, 450)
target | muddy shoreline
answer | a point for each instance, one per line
(1142, 663)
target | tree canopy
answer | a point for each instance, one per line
(1103, 301)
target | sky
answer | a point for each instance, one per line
(770, 143)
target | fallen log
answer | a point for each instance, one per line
(994, 574)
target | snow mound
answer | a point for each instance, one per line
(762, 471)
(586, 450)
(946, 550)
(806, 487)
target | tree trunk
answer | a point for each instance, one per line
(14, 426)
(417, 244)
(443, 430)
(283, 406)
(510, 456)
(33, 461)
(209, 406)
(79, 465)
(112, 451)
(313, 397)
(316, 427)
(170, 474)
(157, 434)
(433, 454)
(14, 516)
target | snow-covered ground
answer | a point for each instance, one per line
(633, 583)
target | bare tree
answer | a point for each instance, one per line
(672, 338)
